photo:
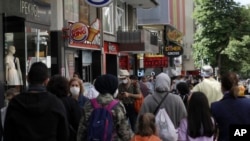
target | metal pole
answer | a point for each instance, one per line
(101, 42)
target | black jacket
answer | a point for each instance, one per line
(36, 117)
(74, 113)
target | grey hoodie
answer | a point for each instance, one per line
(173, 104)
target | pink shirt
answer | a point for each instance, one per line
(183, 136)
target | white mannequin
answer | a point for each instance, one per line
(13, 72)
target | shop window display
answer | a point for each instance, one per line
(22, 49)
(37, 47)
(13, 71)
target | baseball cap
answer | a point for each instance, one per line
(206, 71)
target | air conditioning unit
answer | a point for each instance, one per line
(185, 57)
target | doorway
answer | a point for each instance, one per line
(87, 73)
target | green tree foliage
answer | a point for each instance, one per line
(239, 46)
(216, 22)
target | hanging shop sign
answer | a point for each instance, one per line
(98, 3)
(80, 35)
(173, 51)
(78, 32)
(110, 48)
(173, 34)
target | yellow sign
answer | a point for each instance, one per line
(174, 48)
(174, 35)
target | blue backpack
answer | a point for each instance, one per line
(101, 122)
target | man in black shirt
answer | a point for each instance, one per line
(36, 115)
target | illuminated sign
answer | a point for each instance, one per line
(173, 51)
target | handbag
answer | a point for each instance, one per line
(138, 103)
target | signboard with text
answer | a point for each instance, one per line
(173, 51)
(32, 10)
(155, 62)
(80, 35)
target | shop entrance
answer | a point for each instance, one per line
(87, 73)
(111, 64)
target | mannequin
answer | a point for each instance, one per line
(13, 71)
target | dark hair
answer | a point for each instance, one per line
(58, 85)
(229, 82)
(146, 125)
(133, 77)
(38, 73)
(183, 88)
(106, 83)
(199, 118)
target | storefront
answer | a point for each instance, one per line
(82, 53)
(173, 48)
(26, 30)
(133, 43)
(111, 53)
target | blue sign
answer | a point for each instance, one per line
(140, 72)
(98, 3)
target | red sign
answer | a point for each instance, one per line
(80, 35)
(79, 32)
(123, 62)
(155, 62)
(110, 48)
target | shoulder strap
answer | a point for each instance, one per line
(95, 103)
(108, 107)
(111, 104)
(159, 105)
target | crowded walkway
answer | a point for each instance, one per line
(55, 108)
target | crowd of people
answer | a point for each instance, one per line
(57, 109)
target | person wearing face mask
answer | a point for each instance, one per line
(129, 90)
(59, 86)
(76, 91)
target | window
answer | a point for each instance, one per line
(71, 10)
(107, 18)
(120, 18)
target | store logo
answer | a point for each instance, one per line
(79, 32)
(98, 3)
(28, 8)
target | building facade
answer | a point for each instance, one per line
(24, 26)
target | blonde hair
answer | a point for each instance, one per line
(146, 125)
(79, 82)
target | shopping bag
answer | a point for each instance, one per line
(165, 126)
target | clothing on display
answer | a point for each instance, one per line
(13, 71)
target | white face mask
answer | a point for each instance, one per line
(75, 91)
(116, 93)
(125, 81)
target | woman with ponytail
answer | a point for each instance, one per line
(232, 109)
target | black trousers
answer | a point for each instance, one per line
(132, 115)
